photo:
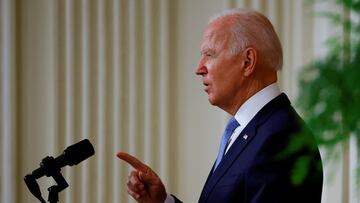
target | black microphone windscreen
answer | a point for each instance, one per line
(78, 152)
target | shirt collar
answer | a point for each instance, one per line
(255, 103)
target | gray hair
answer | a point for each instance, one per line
(251, 28)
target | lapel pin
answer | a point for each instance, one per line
(245, 136)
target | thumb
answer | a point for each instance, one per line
(146, 177)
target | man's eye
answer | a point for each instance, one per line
(209, 54)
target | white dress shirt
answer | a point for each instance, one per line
(251, 107)
(246, 112)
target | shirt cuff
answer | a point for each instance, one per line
(169, 199)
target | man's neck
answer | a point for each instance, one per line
(252, 88)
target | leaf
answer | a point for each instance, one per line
(300, 170)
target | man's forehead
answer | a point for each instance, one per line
(209, 32)
(213, 29)
(213, 35)
(208, 42)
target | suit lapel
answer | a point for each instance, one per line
(245, 137)
(235, 150)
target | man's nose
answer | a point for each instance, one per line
(201, 68)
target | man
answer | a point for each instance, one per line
(266, 153)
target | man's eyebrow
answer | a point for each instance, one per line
(202, 51)
(206, 50)
(203, 48)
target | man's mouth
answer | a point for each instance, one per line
(206, 88)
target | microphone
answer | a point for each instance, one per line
(51, 166)
(72, 155)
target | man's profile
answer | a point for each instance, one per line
(240, 56)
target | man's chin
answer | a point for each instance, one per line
(211, 101)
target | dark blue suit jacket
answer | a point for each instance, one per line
(279, 162)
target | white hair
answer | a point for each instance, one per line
(251, 28)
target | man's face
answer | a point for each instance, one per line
(221, 71)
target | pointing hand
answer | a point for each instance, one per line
(143, 184)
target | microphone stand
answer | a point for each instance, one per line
(55, 189)
(53, 170)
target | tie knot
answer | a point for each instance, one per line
(232, 125)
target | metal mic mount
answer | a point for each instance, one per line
(51, 170)
(51, 167)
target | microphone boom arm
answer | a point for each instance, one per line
(51, 169)
(55, 189)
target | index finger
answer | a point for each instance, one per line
(134, 162)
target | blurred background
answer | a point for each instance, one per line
(121, 74)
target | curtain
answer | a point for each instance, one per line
(101, 70)
(116, 72)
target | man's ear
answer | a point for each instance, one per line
(250, 59)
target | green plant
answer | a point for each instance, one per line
(329, 94)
